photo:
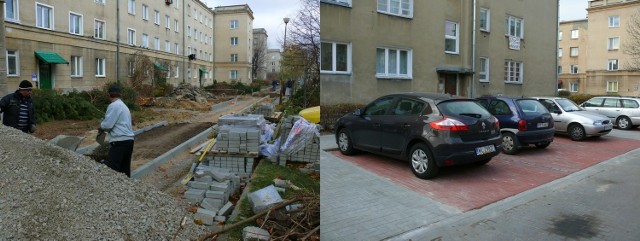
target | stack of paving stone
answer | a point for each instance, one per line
(239, 134)
(310, 153)
(211, 189)
(264, 110)
(234, 164)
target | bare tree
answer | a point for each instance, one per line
(632, 45)
(259, 57)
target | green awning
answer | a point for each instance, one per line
(50, 57)
(160, 67)
(203, 70)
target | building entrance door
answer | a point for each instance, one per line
(45, 75)
(451, 84)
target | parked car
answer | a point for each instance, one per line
(523, 121)
(624, 112)
(429, 130)
(571, 119)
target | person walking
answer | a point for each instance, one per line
(289, 87)
(117, 125)
(18, 108)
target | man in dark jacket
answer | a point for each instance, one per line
(18, 109)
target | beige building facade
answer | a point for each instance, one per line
(260, 38)
(274, 56)
(372, 48)
(73, 45)
(234, 34)
(572, 54)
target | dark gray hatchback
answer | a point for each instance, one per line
(429, 130)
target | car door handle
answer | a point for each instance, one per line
(376, 124)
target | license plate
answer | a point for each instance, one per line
(485, 149)
(543, 125)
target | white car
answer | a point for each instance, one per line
(623, 111)
(571, 119)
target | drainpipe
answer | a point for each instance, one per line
(184, 50)
(118, 41)
(473, 51)
(4, 89)
(555, 88)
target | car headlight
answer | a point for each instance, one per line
(597, 123)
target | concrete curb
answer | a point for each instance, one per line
(90, 148)
(251, 105)
(224, 103)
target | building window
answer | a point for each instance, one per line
(574, 51)
(145, 12)
(485, 19)
(559, 52)
(614, 21)
(189, 31)
(189, 50)
(177, 72)
(75, 23)
(13, 63)
(613, 43)
(131, 36)
(100, 67)
(176, 26)
(131, 67)
(44, 16)
(233, 57)
(132, 7)
(514, 26)
(156, 43)
(559, 69)
(559, 35)
(612, 86)
(76, 66)
(11, 10)
(451, 37)
(484, 69)
(176, 48)
(573, 87)
(156, 17)
(188, 73)
(167, 21)
(403, 8)
(145, 40)
(513, 72)
(335, 57)
(575, 34)
(393, 63)
(168, 71)
(233, 74)
(612, 65)
(574, 69)
(234, 24)
(98, 29)
(167, 46)
(234, 41)
(101, 1)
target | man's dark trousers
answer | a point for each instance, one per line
(119, 158)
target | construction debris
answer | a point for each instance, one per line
(264, 198)
(189, 92)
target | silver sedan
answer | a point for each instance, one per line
(574, 120)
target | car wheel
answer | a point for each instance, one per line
(576, 132)
(624, 123)
(509, 143)
(422, 163)
(344, 143)
(543, 145)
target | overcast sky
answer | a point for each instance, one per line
(267, 14)
(573, 9)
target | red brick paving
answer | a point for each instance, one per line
(471, 187)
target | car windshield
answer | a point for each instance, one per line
(467, 108)
(531, 107)
(568, 105)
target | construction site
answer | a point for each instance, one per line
(194, 162)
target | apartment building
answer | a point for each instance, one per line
(234, 34)
(77, 45)
(572, 54)
(469, 48)
(260, 38)
(273, 61)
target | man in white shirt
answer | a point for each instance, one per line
(117, 124)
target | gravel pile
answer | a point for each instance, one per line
(189, 92)
(49, 193)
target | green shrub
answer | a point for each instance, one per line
(329, 114)
(50, 105)
(564, 93)
(579, 99)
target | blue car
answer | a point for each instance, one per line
(523, 121)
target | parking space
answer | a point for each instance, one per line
(471, 187)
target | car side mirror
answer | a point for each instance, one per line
(357, 112)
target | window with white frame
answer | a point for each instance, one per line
(559, 35)
(234, 41)
(176, 48)
(573, 87)
(145, 40)
(233, 74)
(101, 65)
(177, 72)
(514, 26)
(167, 46)
(559, 52)
(168, 71)
(451, 37)
(234, 24)
(76, 66)
(189, 31)
(167, 21)
(99, 29)
(188, 72)
(188, 50)
(612, 65)
(614, 21)
(101, 1)
(156, 43)
(483, 74)
(513, 71)
(335, 57)
(131, 7)
(11, 12)
(573, 51)
(233, 57)
(485, 19)
(559, 69)
(393, 63)
(131, 68)
(613, 43)
(156, 17)
(145, 12)
(206, 39)
(612, 86)
(403, 8)
(75, 23)
(44, 16)
(574, 69)
(13, 63)
(575, 34)
(131, 36)
(176, 26)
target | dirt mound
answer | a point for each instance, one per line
(53, 194)
(189, 92)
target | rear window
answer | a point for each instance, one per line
(531, 107)
(629, 103)
(463, 108)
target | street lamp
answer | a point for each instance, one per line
(284, 47)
